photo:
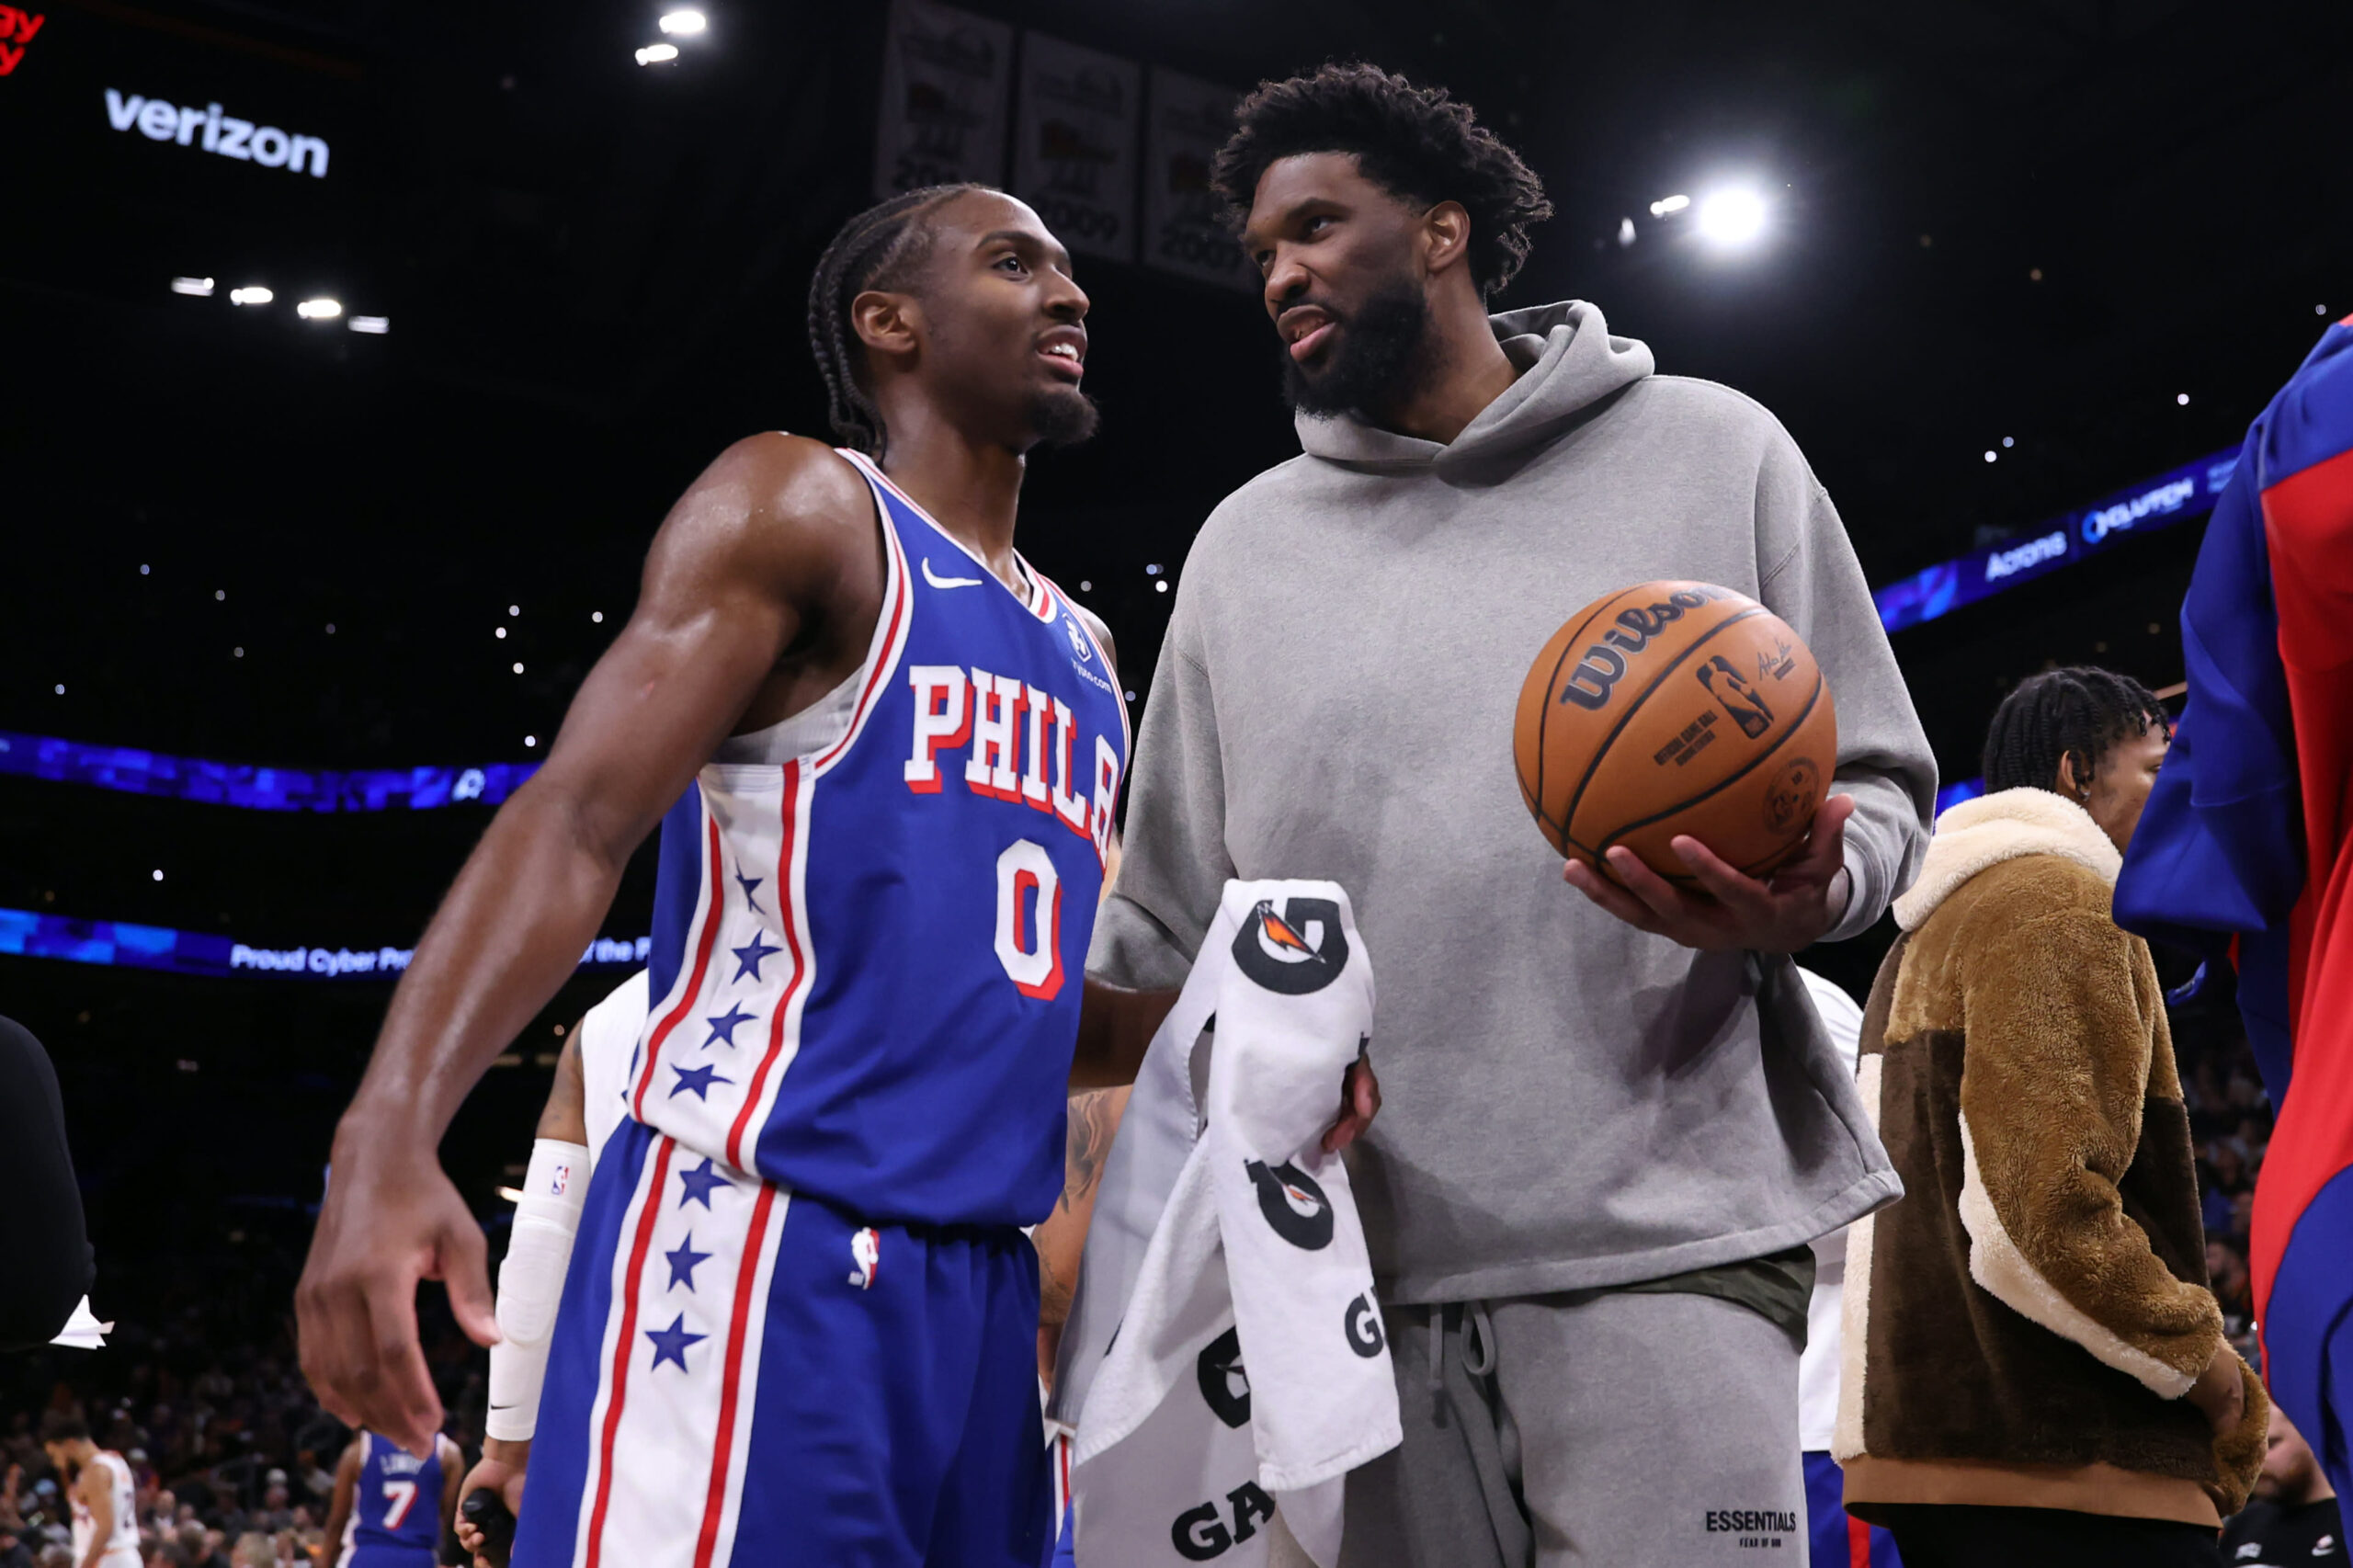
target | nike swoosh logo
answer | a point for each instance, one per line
(946, 581)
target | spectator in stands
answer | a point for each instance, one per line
(2036, 1372)
(253, 1550)
(202, 1546)
(2227, 1266)
(2293, 1518)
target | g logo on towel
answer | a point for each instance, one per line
(1363, 1326)
(1290, 954)
(1292, 1204)
(1224, 1384)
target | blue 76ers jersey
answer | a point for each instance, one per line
(870, 936)
(397, 1501)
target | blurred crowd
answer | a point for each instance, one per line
(233, 1461)
(2230, 1118)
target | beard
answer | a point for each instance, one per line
(1063, 418)
(1380, 347)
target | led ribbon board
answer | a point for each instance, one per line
(27, 934)
(137, 772)
(2186, 492)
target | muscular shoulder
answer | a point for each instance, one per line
(770, 506)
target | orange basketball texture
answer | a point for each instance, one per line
(1674, 708)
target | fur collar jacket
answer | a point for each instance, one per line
(2022, 1328)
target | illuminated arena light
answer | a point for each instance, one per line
(25, 933)
(320, 309)
(378, 325)
(135, 772)
(657, 53)
(251, 294)
(202, 288)
(1668, 206)
(684, 24)
(1732, 217)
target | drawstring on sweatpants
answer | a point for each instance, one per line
(1475, 1319)
(1477, 1350)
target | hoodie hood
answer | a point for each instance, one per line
(1979, 833)
(1568, 361)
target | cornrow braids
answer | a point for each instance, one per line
(876, 249)
(2081, 712)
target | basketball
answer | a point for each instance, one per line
(1674, 708)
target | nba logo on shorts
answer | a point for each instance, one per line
(865, 1251)
(558, 1181)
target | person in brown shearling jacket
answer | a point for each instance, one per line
(2035, 1370)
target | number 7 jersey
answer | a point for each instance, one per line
(871, 920)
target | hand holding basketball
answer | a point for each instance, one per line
(1789, 910)
(1675, 741)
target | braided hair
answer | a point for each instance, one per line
(877, 249)
(2081, 712)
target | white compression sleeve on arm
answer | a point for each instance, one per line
(531, 1282)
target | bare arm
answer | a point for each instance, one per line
(564, 1118)
(1093, 1120)
(453, 1477)
(776, 526)
(94, 1489)
(346, 1486)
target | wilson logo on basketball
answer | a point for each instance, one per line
(1604, 663)
(1673, 710)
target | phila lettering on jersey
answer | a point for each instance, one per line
(871, 920)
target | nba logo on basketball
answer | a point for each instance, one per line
(865, 1251)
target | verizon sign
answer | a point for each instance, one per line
(209, 130)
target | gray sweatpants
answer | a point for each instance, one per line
(1595, 1428)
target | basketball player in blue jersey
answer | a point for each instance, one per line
(798, 1322)
(390, 1509)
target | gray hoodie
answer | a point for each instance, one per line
(1569, 1101)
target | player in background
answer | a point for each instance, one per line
(584, 1104)
(391, 1509)
(106, 1519)
(904, 749)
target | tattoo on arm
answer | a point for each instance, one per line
(1091, 1125)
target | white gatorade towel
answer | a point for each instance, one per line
(1224, 1361)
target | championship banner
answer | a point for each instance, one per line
(1075, 159)
(945, 79)
(1189, 120)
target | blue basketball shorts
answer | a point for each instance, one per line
(1837, 1538)
(375, 1554)
(742, 1375)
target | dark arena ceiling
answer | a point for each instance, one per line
(2027, 228)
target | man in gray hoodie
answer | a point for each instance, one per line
(1613, 1118)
